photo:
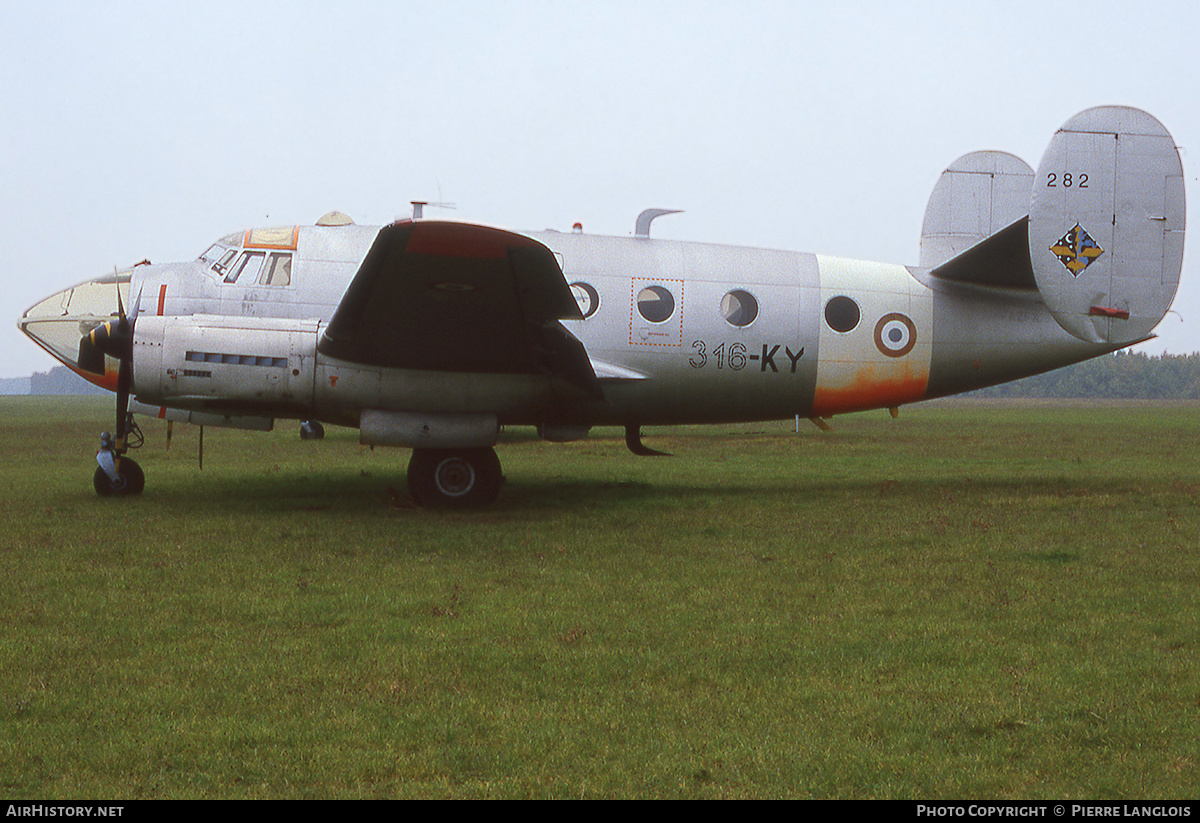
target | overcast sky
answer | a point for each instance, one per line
(135, 130)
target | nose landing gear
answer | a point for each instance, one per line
(117, 475)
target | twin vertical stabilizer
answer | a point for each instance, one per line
(977, 195)
(1103, 242)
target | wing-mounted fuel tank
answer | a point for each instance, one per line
(1106, 224)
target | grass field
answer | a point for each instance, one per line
(973, 600)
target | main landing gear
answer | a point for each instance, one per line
(454, 478)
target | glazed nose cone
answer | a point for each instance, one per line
(60, 322)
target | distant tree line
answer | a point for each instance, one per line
(60, 380)
(1123, 375)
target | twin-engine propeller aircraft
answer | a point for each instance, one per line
(432, 334)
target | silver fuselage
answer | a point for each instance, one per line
(676, 332)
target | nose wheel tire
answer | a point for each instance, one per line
(454, 478)
(130, 480)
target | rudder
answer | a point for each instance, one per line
(1106, 224)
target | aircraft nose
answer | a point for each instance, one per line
(58, 322)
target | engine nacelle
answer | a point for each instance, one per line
(248, 363)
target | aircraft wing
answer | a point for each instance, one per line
(457, 297)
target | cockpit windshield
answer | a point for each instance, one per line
(265, 268)
(218, 249)
(220, 254)
(213, 253)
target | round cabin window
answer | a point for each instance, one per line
(842, 314)
(586, 297)
(739, 308)
(655, 304)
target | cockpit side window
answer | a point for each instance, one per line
(248, 266)
(278, 271)
(222, 264)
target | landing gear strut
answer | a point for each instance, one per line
(454, 478)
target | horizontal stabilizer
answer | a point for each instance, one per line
(1106, 224)
(977, 195)
(1000, 260)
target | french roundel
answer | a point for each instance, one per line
(895, 335)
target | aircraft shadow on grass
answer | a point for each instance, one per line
(299, 491)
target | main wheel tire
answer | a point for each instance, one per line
(311, 430)
(454, 478)
(130, 480)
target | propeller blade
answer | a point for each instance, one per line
(124, 381)
(125, 373)
(117, 286)
(137, 307)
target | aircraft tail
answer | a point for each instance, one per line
(1106, 224)
(1103, 240)
(977, 195)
